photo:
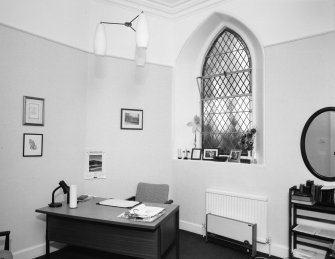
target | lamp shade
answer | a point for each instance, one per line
(100, 41)
(140, 57)
(142, 32)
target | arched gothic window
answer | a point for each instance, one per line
(226, 93)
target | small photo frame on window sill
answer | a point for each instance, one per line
(210, 153)
(235, 155)
(196, 154)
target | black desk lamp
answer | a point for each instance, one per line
(66, 190)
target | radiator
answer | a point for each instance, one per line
(232, 232)
(239, 206)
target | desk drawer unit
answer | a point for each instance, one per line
(141, 243)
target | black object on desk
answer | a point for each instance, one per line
(66, 190)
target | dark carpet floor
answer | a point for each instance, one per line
(192, 246)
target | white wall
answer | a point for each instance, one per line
(131, 155)
(35, 67)
(73, 22)
(57, 20)
(299, 80)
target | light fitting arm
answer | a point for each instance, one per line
(127, 24)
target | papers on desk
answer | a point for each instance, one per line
(143, 213)
(119, 203)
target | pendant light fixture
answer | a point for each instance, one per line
(142, 40)
(142, 37)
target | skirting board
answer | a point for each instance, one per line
(36, 251)
(276, 250)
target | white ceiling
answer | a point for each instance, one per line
(169, 8)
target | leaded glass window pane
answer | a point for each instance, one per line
(226, 92)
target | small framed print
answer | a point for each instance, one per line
(235, 155)
(32, 144)
(131, 119)
(33, 111)
(196, 154)
(210, 153)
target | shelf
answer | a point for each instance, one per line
(313, 234)
(311, 253)
(316, 236)
(315, 207)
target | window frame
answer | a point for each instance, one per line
(250, 85)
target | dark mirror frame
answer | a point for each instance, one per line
(303, 147)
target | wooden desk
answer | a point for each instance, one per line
(98, 227)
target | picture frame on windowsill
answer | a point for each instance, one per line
(210, 153)
(235, 155)
(196, 154)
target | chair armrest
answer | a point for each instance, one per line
(132, 198)
(168, 202)
(6, 233)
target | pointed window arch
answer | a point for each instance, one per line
(226, 92)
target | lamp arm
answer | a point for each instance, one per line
(112, 23)
(136, 17)
(53, 194)
(127, 24)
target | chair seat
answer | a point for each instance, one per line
(4, 254)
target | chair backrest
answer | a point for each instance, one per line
(148, 192)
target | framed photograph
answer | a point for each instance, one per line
(210, 153)
(131, 119)
(32, 144)
(235, 155)
(196, 154)
(33, 111)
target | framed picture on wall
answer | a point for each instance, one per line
(32, 144)
(210, 153)
(131, 119)
(33, 111)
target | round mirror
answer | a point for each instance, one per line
(318, 144)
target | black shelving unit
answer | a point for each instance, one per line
(310, 240)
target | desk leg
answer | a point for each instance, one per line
(159, 244)
(47, 242)
(177, 235)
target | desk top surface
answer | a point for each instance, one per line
(91, 211)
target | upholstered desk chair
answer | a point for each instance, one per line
(6, 254)
(155, 193)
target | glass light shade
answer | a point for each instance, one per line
(142, 32)
(100, 42)
(141, 56)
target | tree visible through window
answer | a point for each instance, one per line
(226, 92)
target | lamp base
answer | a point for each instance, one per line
(55, 205)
